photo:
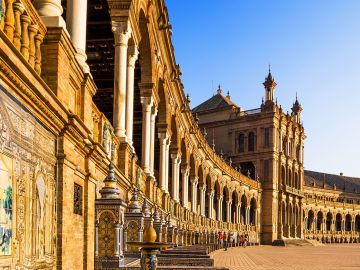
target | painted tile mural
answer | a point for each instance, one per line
(5, 208)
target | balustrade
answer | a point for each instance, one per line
(25, 30)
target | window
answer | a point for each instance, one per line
(78, 192)
(241, 143)
(251, 142)
(266, 137)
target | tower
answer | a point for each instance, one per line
(269, 85)
(297, 109)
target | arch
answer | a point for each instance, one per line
(145, 49)
(253, 210)
(243, 207)
(310, 220)
(348, 221)
(218, 193)
(251, 142)
(208, 210)
(192, 176)
(338, 222)
(319, 220)
(283, 175)
(329, 219)
(357, 223)
(226, 198)
(234, 200)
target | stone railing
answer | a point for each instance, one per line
(25, 30)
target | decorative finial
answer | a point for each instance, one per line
(188, 98)
(145, 209)
(205, 133)
(228, 94)
(219, 90)
(110, 190)
(134, 204)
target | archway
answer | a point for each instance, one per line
(234, 203)
(253, 209)
(208, 209)
(283, 175)
(348, 221)
(329, 218)
(243, 209)
(310, 220)
(226, 198)
(357, 223)
(217, 203)
(338, 222)
(319, 220)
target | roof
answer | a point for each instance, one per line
(217, 101)
(346, 183)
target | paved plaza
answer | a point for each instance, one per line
(329, 257)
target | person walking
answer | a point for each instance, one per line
(242, 240)
(220, 239)
(225, 241)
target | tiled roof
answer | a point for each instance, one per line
(217, 101)
(346, 183)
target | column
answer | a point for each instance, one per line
(211, 204)
(76, 14)
(50, 12)
(122, 33)
(238, 213)
(219, 210)
(175, 176)
(185, 179)
(228, 213)
(167, 153)
(117, 239)
(247, 215)
(163, 174)
(202, 190)
(194, 194)
(152, 137)
(147, 103)
(132, 57)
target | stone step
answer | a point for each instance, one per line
(185, 262)
(175, 255)
(191, 268)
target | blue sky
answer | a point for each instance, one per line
(313, 47)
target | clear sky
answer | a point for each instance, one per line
(313, 47)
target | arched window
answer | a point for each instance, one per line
(241, 143)
(251, 142)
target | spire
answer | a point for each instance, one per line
(219, 91)
(110, 190)
(269, 85)
(228, 94)
(297, 109)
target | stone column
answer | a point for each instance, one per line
(175, 176)
(132, 57)
(147, 103)
(122, 33)
(152, 138)
(211, 203)
(167, 154)
(238, 213)
(247, 215)
(76, 14)
(163, 174)
(194, 194)
(228, 211)
(50, 12)
(219, 210)
(185, 179)
(202, 190)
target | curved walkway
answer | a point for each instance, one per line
(327, 257)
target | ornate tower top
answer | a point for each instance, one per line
(219, 91)
(110, 190)
(269, 85)
(297, 109)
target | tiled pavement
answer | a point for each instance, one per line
(327, 257)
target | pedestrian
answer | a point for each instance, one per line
(242, 240)
(220, 239)
(238, 239)
(225, 241)
(246, 240)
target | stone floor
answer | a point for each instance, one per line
(329, 257)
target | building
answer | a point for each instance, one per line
(267, 145)
(97, 141)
